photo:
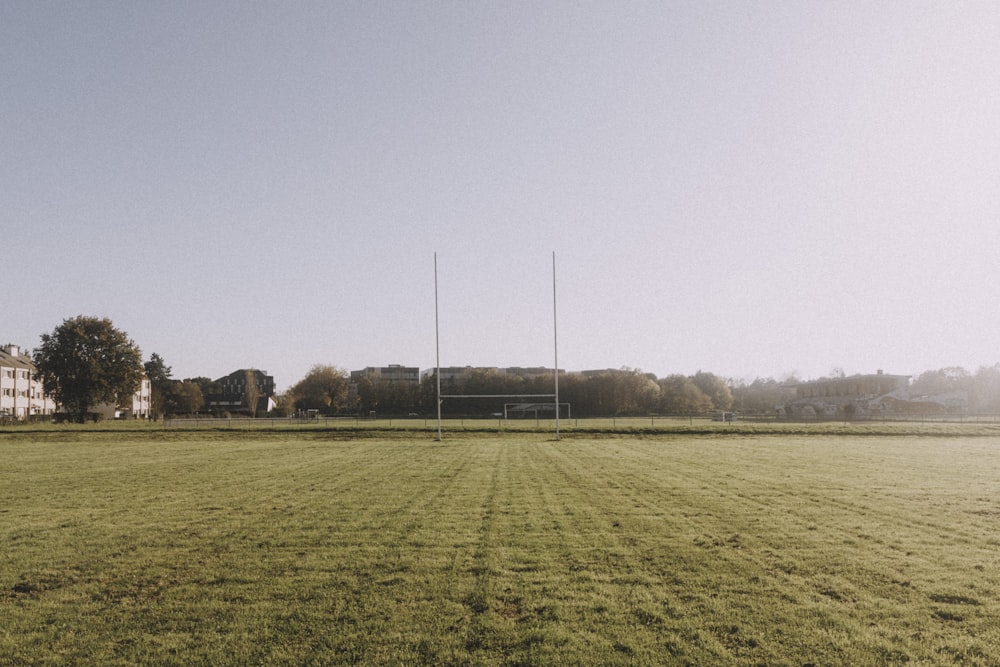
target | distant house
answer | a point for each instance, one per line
(21, 395)
(392, 373)
(530, 373)
(140, 406)
(460, 374)
(854, 396)
(457, 374)
(395, 374)
(232, 394)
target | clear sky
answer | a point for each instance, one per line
(747, 188)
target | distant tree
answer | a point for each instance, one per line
(679, 395)
(251, 390)
(86, 361)
(283, 405)
(573, 390)
(715, 388)
(426, 401)
(941, 381)
(208, 385)
(626, 391)
(762, 396)
(185, 398)
(368, 395)
(160, 383)
(986, 390)
(323, 388)
(638, 393)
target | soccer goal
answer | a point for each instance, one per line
(534, 410)
(553, 404)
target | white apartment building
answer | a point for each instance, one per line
(140, 408)
(21, 396)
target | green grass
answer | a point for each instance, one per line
(163, 547)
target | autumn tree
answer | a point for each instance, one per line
(715, 388)
(626, 391)
(679, 395)
(86, 361)
(636, 392)
(323, 388)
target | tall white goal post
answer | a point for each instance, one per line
(555, 353)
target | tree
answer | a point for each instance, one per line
(86, 361)
(185, 398)
(207, 385)
(679, 395)
(323, 388)
(715, 388)
(283, 405)
(762, 396)
(986, 389)
(627, 391)
(251, 390)
(941, 381)
(368, 395)
(159, 381)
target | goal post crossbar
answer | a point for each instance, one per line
(555, 356)
(497, 396)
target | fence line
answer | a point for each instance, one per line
(479, 422)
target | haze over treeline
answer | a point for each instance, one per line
(624, 392)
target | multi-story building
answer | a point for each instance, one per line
(458, 374)
(233, 394)
(529, 373)
(392, 373)
(854, 396)
(141, 406)
(21, 395)
(854, 386)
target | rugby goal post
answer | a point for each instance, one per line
(555, 355)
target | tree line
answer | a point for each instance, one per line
(622, 392)
(981, 387)
(86, 361)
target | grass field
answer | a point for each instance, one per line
(324, 547)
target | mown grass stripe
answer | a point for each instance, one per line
(299, 548)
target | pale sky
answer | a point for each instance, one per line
(747, 188)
